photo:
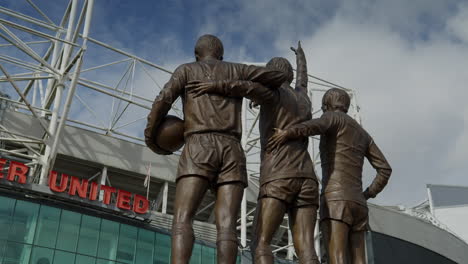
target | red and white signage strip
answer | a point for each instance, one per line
(73, 186)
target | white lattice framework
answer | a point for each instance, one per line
(53, 70)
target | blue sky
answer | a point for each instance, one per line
(407, 60)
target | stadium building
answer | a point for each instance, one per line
(77, 184)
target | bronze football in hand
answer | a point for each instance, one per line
(170, 134)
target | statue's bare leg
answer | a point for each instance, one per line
(269, 219)
(254, 238)
(302, 222)
(228, 202)
(189, 194)
(337, 236)
(358, 244)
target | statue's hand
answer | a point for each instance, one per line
(299, 48)
(198, 88)
(366, 194)
(253, 104)
(279, 137)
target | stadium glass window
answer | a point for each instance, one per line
(196, 254)
(162, 251)
(81, 259)
(40, 234)
(127, 244)
(41, 255)
(108, 239)
(89, 232)
(2, 248)
(7, 208)
(62, 257)
(24, 222)
(145, 247)
(69, 230)
(209, 255)
(105, 261)
(47, 226)
(16, 253)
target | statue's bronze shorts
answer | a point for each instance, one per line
(349, 212)
(217, 157)
(296, 192)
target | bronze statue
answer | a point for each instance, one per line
(287, 178)
(343, 146)
(212, 155)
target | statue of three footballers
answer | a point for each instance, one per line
(211, 92)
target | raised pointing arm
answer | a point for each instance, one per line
(301, 69)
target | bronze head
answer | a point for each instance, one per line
(209, 46)
(282, 64)
(336, 100)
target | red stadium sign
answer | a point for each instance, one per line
(17, 172)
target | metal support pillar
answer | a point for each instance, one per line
(164, 199)
(56, 124)
(244, 198)
(102, 181)
(290, 255)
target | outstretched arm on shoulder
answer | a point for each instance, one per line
(307, 128)
(251, 90)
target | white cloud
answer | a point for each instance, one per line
(402, 59)
(458, 24)
(412, 94)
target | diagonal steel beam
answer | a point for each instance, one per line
(24, 99)
(23, 47)
(29, 19)
(40, 12)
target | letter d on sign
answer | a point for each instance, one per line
(140, 204)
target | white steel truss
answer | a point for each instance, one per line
(54, 71)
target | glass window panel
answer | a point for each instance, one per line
(89, 233)
(2, 247)
(62, 257)
(196, 254)
(24, 222)
(145, 247)
(108, 239)
(208, 255)
(41, 255)
(7, 206)
(162, 252)
(104, 261)
(127, 244)
(16, 253)
(80, 259)
(69, 230)
(47, 226)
